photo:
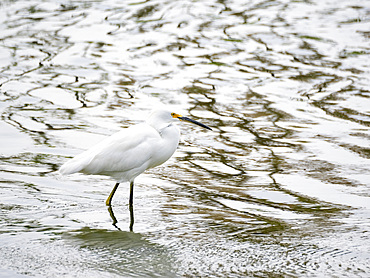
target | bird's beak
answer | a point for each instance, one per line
(190, 120)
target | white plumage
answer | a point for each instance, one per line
(127, 153)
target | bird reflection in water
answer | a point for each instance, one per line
(115, 221)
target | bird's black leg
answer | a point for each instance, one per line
(131, 206)
(131, 200)
(109, 200)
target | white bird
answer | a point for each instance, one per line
(129, 152)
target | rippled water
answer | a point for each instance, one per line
(279, 188)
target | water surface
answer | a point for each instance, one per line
(279, 188)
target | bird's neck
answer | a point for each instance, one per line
(160, 127)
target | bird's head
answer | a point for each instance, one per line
(161, 118)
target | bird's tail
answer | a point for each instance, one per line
(74, 165)
(68, 168)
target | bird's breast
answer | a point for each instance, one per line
(166, 146)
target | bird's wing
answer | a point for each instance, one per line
(128, 149)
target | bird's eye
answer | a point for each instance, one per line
(174, 115)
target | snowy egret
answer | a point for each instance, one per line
(129, 152)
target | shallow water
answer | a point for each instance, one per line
(279, 188)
